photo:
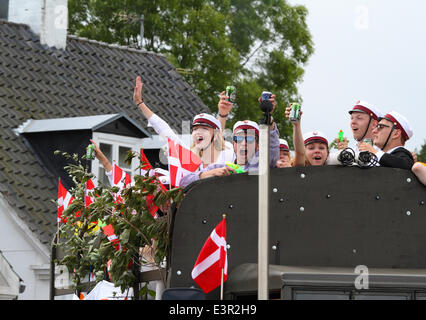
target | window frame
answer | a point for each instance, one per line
(135, 144)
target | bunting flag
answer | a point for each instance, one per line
(181, 162)
(90, 187)
(112, 237)
(64, 200)
(212, 262)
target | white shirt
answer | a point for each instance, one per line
(332, 157)
(163, 129)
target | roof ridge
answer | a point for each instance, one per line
(15, 24)
(113, 45)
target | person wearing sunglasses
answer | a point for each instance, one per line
(246, 147)
(390, 135)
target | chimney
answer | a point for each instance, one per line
(46, 18)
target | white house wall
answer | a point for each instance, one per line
(26, 254)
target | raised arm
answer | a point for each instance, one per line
(137, 98)
(299, 146)
(224, 108)
(102, 158)
(160, 126)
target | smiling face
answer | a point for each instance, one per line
(202, 136)
(316, 153)
(359, 123)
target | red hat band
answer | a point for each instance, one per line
(366, 110)
(319, 139)
(284, 147)
(204, 121)
(247, 127)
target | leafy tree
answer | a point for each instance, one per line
(255, 45)
(421, 155)
(86, 249)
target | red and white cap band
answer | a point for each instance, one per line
(314, 136)
(246, 125)
(206, 119)
(365, 107)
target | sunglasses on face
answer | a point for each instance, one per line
(249, 139)
(380, 126)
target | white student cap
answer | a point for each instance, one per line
(314, 136)
(206, 120)
(284, 145)
(246, 125)
(400, 122)
(365, 107)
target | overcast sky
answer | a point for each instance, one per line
(373, 50)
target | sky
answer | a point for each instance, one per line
(372, 50)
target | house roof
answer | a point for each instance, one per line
(88, 78)
(92, 123)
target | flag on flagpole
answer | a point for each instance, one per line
(64, 200)
(212, 262)
(181, 161)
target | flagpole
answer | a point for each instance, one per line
(221, 286)
(53, 256)
(221, 275)
(168, 166)
(263, 227)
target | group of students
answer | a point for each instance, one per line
(387, 135)
(382, 135)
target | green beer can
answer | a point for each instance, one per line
(369, 141)
(231, 92)
(90, 152)
(295, 112)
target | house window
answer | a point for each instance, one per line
(115, 148)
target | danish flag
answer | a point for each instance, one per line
(181, 162)
(64, 200)
(212, 260)
(90, 187)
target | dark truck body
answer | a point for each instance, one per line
(350, 217)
